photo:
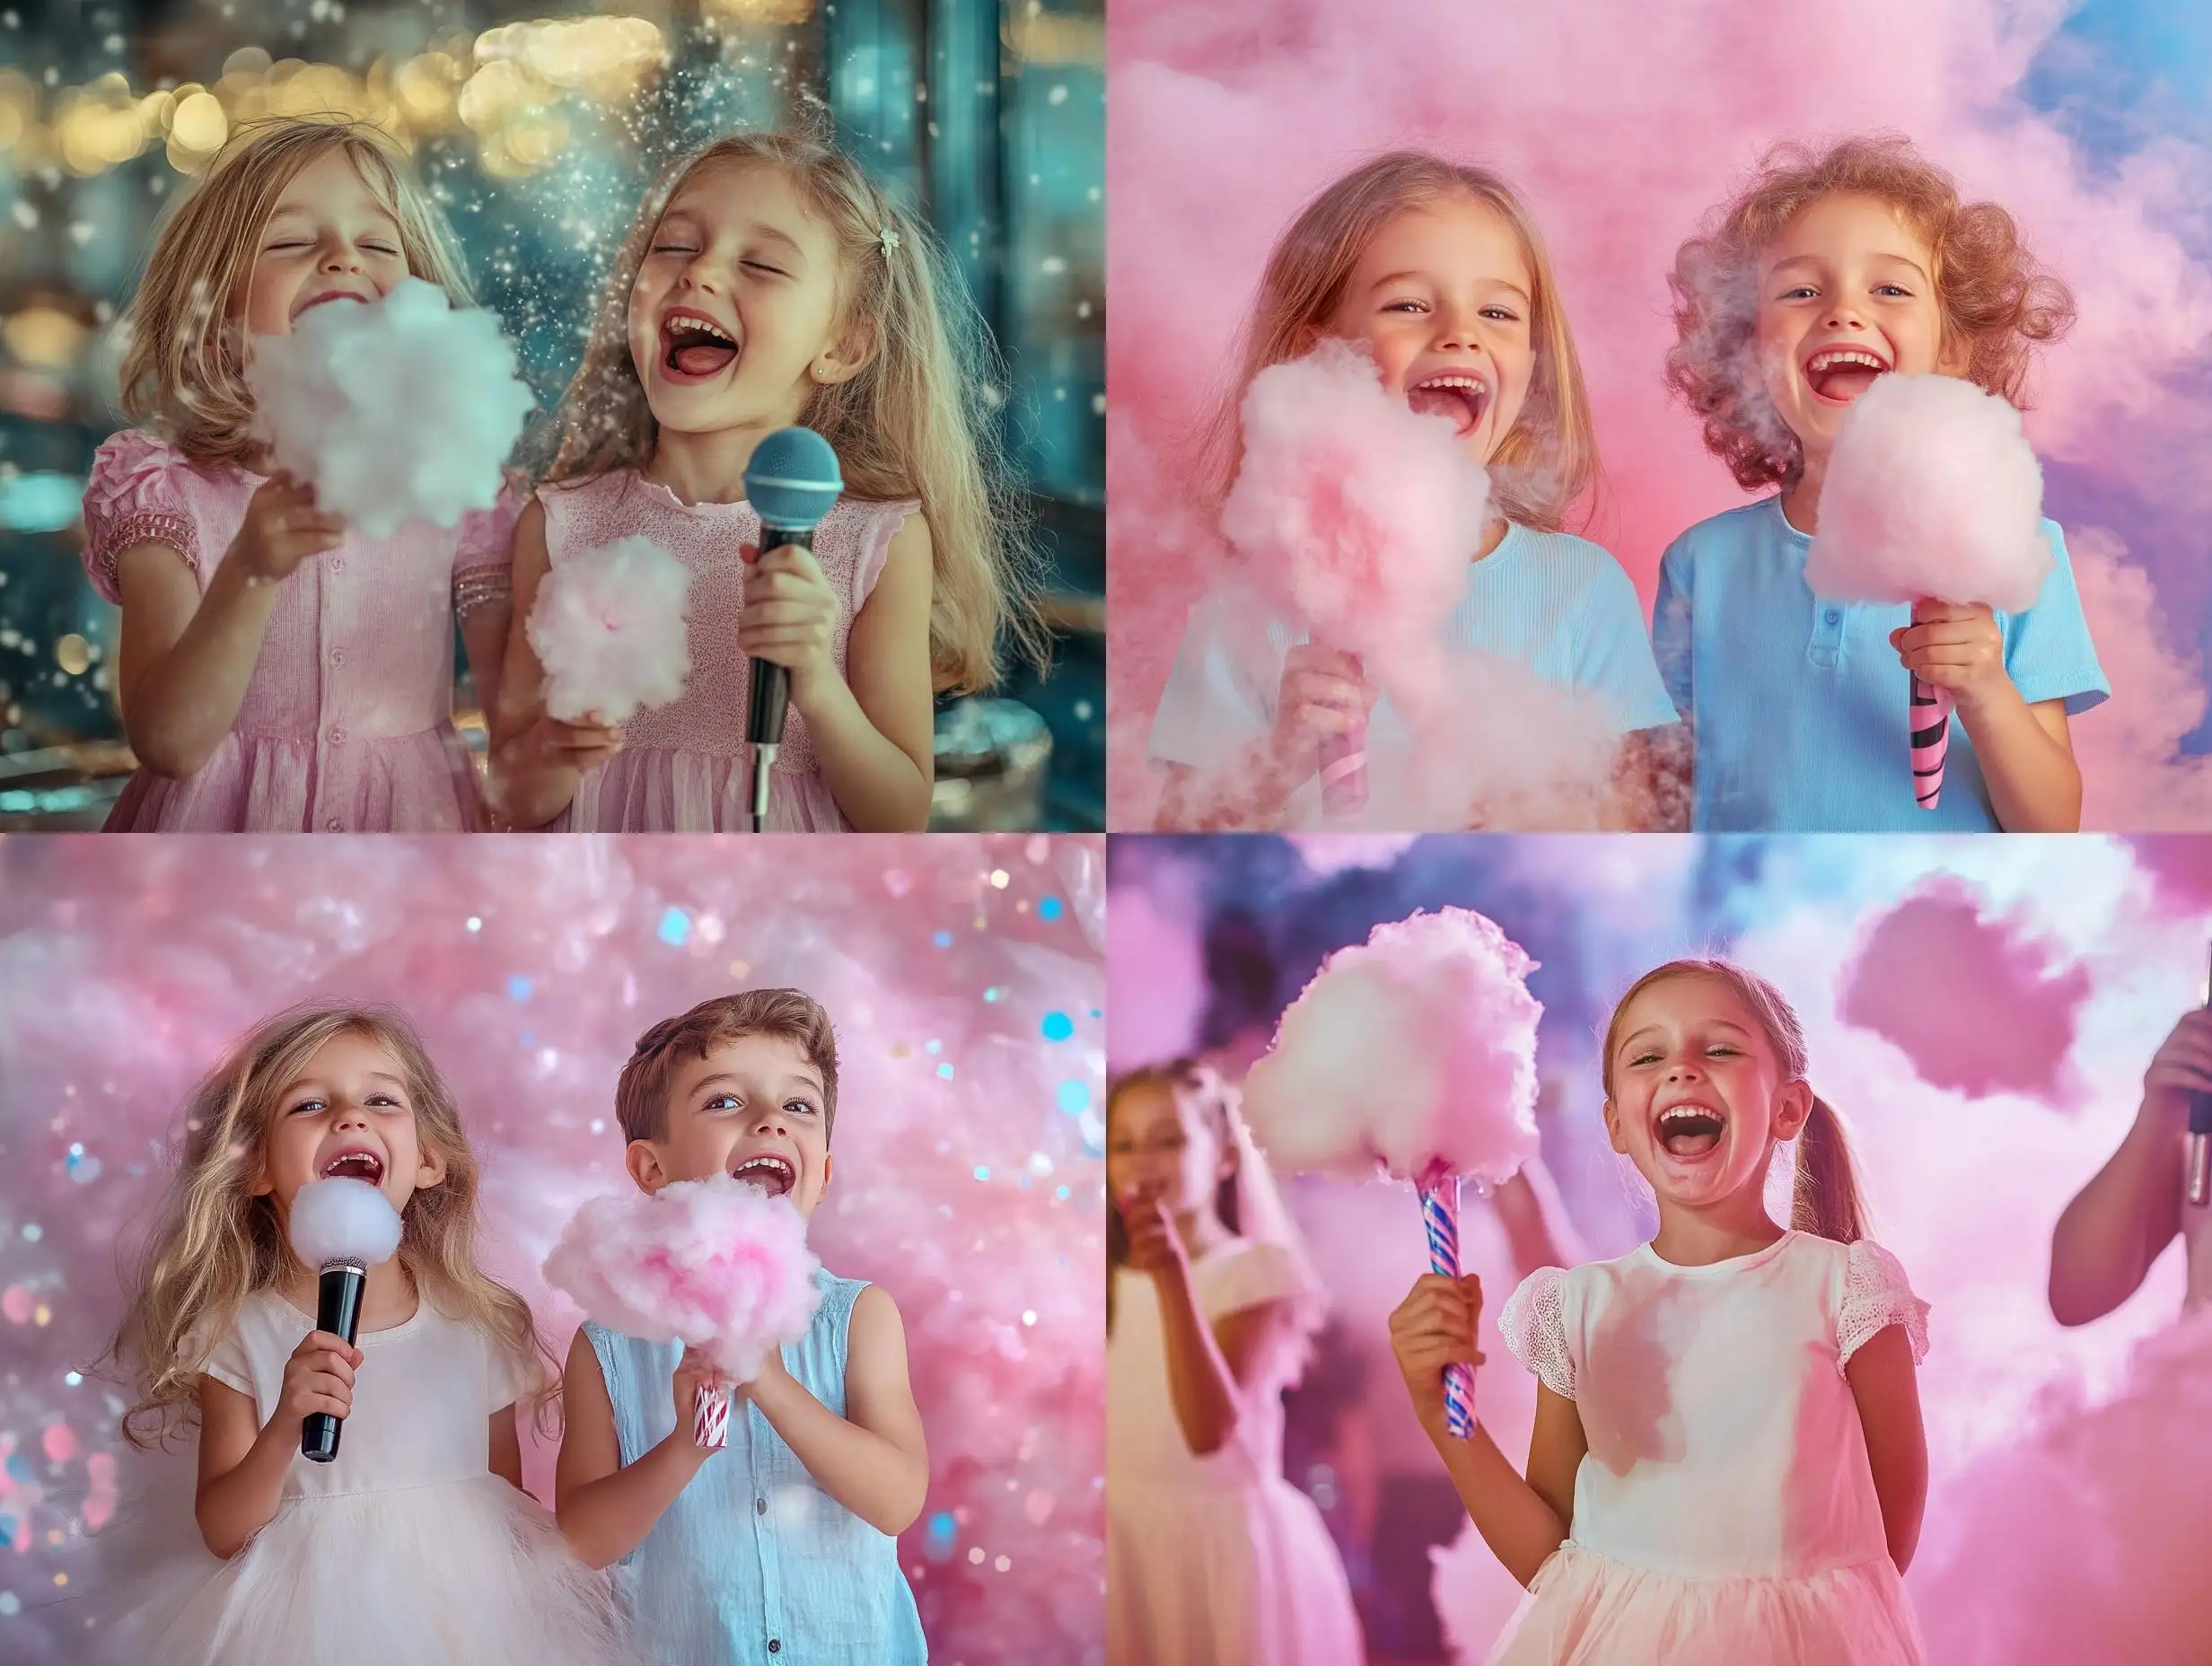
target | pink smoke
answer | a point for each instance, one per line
(1227, 117)
(1979, 1005)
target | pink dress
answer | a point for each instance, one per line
(346, 726)
(683, 767)
(1726, 1510)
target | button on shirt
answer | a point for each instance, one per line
(1798, 701)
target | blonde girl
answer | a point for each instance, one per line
(1437, 270)
(276, 672)
(417, 1543)
(768, 281)
(1728, 1461)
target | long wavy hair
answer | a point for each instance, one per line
(917, 421)
(1825, 1194)
(184, 363)
(213, 1242)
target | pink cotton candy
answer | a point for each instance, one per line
(1932, 491)
(714, 1264)
(1414, 1052)
(608, 628)
(1353, 511)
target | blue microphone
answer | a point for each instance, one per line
(792, 482)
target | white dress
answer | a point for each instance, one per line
(1212, 1561)
(406, 1550)
(1726, 1510)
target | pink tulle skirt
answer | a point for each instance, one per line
(1588, 1609)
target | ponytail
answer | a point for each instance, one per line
(1825, 1199)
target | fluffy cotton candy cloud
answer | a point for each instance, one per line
(608, 628)
(401, 410)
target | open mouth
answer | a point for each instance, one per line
(1455, 395)
(1840, 374)
(694, 347)
(1690, 1131)
(356, 1163)
(771, 1173)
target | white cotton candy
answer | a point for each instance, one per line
(343, 1220)
(1358, 512)
(1414, 1052)
(400, 411)
(608, 628)
(1932, 491)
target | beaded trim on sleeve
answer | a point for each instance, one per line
(147, 526)
(483, 588)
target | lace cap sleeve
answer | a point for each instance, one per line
(1533, 1323)
(1876, 1297)
(483, 564)
(134, 497)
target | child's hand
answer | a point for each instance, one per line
(1434, 1327)
(1956, 648)
(550, 743)
(790, 615)
(1322, 693)
(1154, 1245)
(281, 528)
(318, 1377)
(2182, 1065)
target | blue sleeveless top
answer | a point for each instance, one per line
(754, 1564)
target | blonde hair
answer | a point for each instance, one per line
(183, 369)
(1825, 1200)
(215, 1242)
(1997, 300)
(1549, 458)
(916, 422)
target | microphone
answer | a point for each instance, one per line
(343, 1227)
(2197, 1153)
(792, 482)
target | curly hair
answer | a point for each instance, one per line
(1997, 300)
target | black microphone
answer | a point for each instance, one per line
(343, 1227)
(2196, 1152)
(792, 482)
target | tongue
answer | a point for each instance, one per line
(701, 361)
(1690, 1144)
(1456, 404)
(1846, 381)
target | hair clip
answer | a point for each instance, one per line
(890, 239)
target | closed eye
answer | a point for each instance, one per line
(762, 265)
(674, 248)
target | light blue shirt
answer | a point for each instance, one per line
(1555, 603)
(1798, 702)
(754, 1564)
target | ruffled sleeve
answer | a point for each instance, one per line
(135, 496)
(1876, 1296)
(1534, 1325)
(483, 565)
(1254, 1273)
(885, 522)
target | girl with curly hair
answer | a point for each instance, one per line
(1832, 268)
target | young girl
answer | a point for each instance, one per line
(278, 673)
(1728, 1462)
(2123, 1219)
(1827, 270)
(1212, 1558)
(1436, 270)
(768, 283)
(417, 1543)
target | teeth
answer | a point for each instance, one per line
(1676, 1113)
(690, 321)
(358, 1161)
(1470, 382)
(1837, 356)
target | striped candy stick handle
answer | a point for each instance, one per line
(1928, 717)
(710, 1418)
(1440, 1213)
(1344, 767)
(1931, 741)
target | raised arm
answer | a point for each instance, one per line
(605, 1509)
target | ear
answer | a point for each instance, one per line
(264, 1183)
(643, 1164)
(843, 359)
(1955, 356)
(828, 1172)
(1792, 1109)
(430, 1170)
(1308, 337)
(1612, 1128)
